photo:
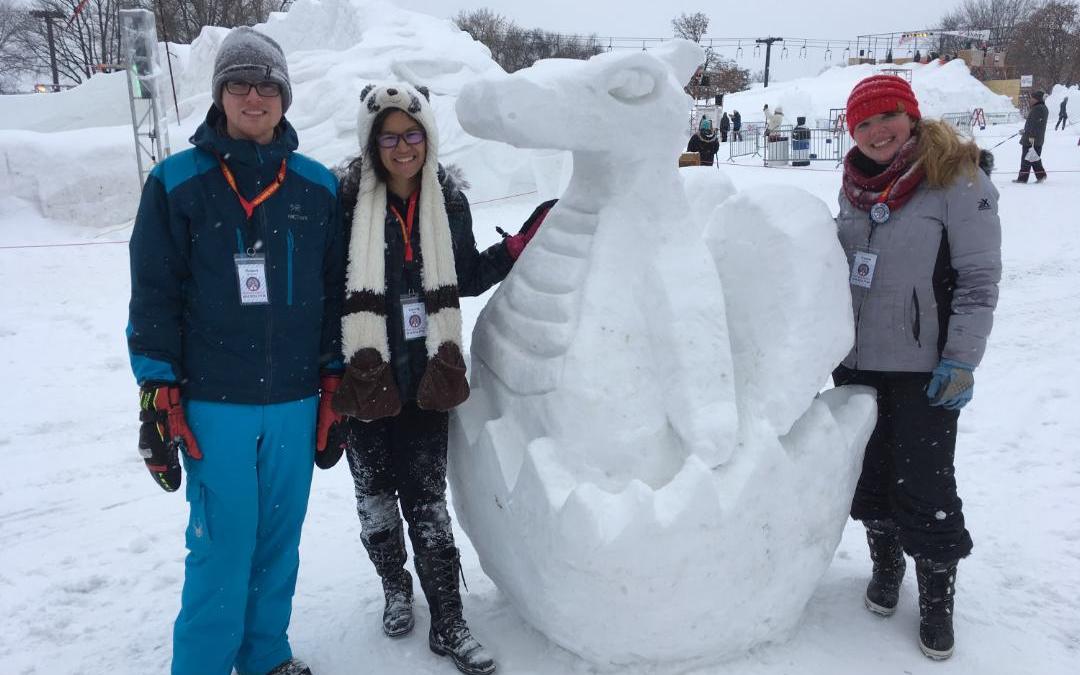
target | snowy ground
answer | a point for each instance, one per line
(91, 561)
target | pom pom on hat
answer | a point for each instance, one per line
(880, 94)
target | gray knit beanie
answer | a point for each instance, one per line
(247, 55)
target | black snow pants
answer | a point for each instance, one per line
(1026, 166)
(401, 458)
(908, 474)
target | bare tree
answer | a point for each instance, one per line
(182, 20)
(690, 26)
(514, 47)
(1047, 45)
(484, 25)
(91, 39)
(84, 42)
(1000, 17)
(13, 23)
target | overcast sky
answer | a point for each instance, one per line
(832, 19)
(839, 20)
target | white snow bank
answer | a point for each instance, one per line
(334, 48)
(77, 176)
(940, 88)
(101, 101)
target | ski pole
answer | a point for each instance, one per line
(1009, 138)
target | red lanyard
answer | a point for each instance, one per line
(407, 224)
(249, 207)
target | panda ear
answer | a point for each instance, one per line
(424, 92)
(365, 91)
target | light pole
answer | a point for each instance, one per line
(768, 42)
(49, 16)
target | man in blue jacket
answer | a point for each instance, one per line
(237, 276)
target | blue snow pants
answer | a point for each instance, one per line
(248, 497)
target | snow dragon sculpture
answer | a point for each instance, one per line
(645, 467)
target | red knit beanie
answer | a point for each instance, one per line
(880, 94)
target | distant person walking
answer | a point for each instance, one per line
(1031, 140)
(1063, 115)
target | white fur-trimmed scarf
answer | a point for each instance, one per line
(368, 390)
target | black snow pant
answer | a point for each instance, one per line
(1026, 166)
(908, 475)
(1062, 120)
(401, 458)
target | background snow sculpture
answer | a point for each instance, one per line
(645, 478)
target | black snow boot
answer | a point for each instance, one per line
(388, 555)
(397, 618)
(883, 591)
(438, 571)
(937, 585)
(291, 667)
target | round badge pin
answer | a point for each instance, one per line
(879, 213)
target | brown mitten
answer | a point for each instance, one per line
(367, 391)
(443, 385)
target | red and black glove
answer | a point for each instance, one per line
(164, 433)
(516, 244)
(329, 436)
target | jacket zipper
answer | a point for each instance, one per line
(916, 323)
(289, 267)
(858, 312)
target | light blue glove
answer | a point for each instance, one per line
(952, 385)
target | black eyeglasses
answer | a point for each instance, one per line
(264, 89)
(412, 137)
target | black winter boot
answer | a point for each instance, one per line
(438, 571)
(397, 618)
(883, 591)
(937, 585)
(388, 555)
(291, 667)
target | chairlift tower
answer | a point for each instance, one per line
(139, 47)
(768, 42)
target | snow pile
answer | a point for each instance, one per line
(333, 47)
(101, 101)
(643, 466)
(940, 88)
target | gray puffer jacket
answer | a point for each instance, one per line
(935, 284)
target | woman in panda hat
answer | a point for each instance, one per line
(411, 255)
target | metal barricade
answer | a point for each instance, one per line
(805, 145)
(745, 142)
(993, 118)
(961, 121)
(778, 145)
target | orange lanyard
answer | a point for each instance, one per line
(407, 224)
(885, 195)
(249, 207)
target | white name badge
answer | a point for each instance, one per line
(251, 273)
(414, 317)
(862, 268)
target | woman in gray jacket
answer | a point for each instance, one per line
(919, 223)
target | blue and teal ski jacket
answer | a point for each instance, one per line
(186, 321)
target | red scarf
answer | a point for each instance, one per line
(897, 182)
